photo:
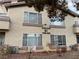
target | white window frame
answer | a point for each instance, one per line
(58, 40)
(34, 36)
(37, 15)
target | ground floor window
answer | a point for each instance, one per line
(58, 40)
(32, 40)
(2, 37)
(77, 38)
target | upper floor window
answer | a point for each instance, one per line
(58, 40)
(57, 21)
(32, 40)
(33, 18)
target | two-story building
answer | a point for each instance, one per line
(26, 28)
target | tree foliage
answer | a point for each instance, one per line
(52, 6)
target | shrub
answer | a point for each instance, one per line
(74, 47)
(13, 50)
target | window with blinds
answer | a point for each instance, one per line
(58, 40)
(2, 38)
(32, 18)
(32, 40)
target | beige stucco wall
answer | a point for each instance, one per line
(68, 31)
(14, 37)
(17, 29)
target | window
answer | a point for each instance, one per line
(2, 37)
(32, 40)
(56, 21)
(32, 18)
(58, 40)
(77, 38)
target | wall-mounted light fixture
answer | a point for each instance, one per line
(46, 28)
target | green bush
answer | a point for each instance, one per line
(12, 50)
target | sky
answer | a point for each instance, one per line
(71, 6)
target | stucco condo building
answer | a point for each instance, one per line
(24, 27)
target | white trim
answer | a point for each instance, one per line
(37, 40)
(57, 42)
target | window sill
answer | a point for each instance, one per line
(39, 47)
(26, 48)
(29, 24)
(57, 26)
(55, 47)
